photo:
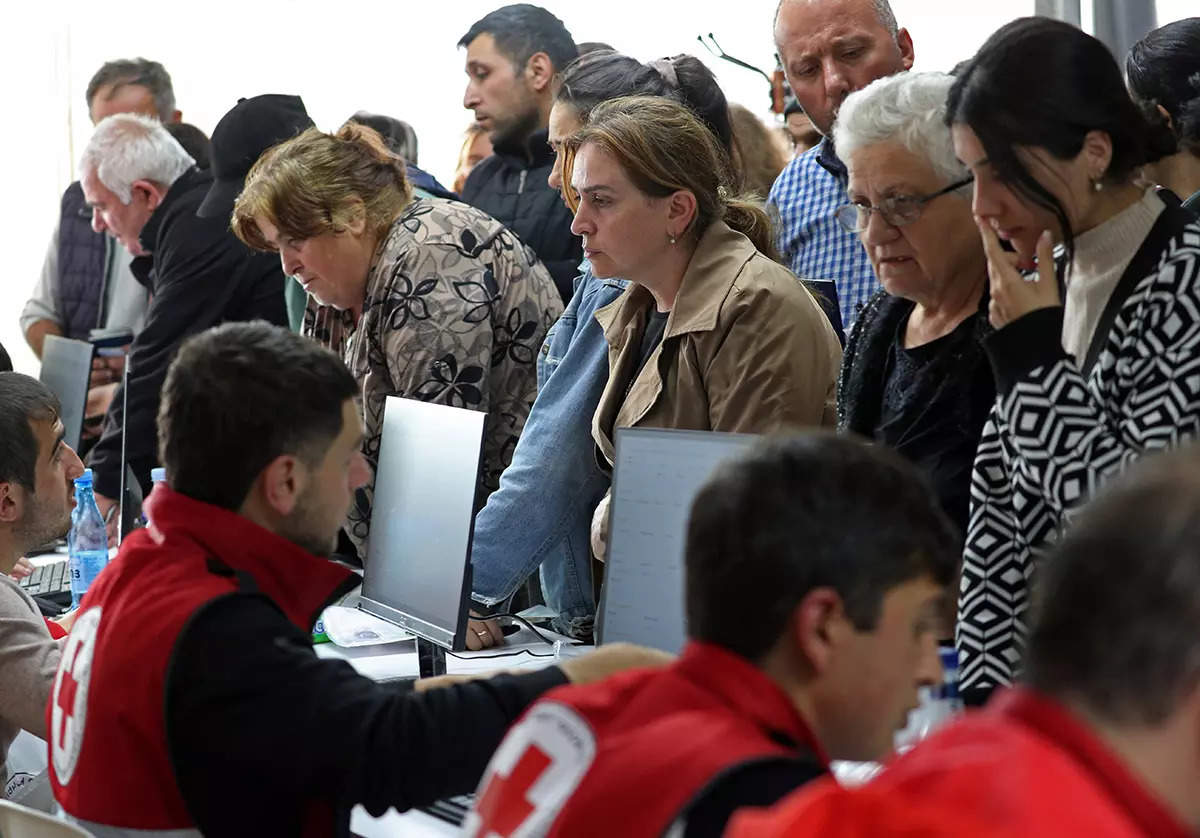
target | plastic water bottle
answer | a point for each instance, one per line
(939, 703)
(157, 475)
(87, 542)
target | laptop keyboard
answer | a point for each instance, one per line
(47, 579)
(452, 810)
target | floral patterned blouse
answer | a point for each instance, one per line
(456, 310)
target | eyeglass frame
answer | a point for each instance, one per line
(918, 201)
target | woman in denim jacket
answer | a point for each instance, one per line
(540, 515)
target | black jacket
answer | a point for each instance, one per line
(199, 275)
(953, 396)
(245, 677)
(511, 187)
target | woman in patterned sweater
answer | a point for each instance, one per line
(427, 299)
(1095, 364)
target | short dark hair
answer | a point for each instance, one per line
(798, 513)
(239, 395)
(149, 74)
(1043, 82)
(194, 141)
(523, 30)
(23, 400)
(1164, 69)
(1116, 614)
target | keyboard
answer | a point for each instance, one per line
(452, 810)
(47, 580)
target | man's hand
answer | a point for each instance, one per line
(610, 659)
(111, 513)
(483, 633)
(21, 569)
(1014, 296)
(600, 528)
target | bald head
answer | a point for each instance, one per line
(831, 48)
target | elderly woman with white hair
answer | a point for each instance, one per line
(914, 376)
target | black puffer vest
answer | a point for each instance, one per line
(82, 266)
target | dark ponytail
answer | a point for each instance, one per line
(1043, 82)
(1164, 69)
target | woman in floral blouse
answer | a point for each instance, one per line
(426, 299)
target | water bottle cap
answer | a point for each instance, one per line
(84, 479)
(158, 475)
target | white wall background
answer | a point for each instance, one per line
(397, 58)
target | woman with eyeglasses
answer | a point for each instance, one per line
(914, 376)
(1093, 373)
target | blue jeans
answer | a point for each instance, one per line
(541, 514)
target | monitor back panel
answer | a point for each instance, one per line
(66, 370)
(421, 518)
(655, 477)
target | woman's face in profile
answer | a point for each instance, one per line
(1014, 219)
(564, 121)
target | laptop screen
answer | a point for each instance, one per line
(656, 474)
(421, 518)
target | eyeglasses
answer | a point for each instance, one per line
(897, 210)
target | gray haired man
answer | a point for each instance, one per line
(85, 281)
(144, 191)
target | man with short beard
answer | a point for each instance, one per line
(513, 56)
(37, 469)
(189, 700)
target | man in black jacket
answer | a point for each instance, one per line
(144, 190)
(192, 675)
(513, 55)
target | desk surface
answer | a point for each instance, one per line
(397, 660)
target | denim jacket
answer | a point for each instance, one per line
(540, 515)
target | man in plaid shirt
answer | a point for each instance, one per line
(830, 48)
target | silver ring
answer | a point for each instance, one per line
(481, 632)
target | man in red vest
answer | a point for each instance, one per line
(189, 700)
(1103, 737)
(817, 583)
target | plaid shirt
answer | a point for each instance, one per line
(807, 193)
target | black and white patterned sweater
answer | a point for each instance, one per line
(1060, 429)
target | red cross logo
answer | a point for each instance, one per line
(504, 805)
(66, 700)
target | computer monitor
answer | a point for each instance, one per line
(418, 572)
(656, 475)
(66, 370)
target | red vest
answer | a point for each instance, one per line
(109, 761)
(1024, 767)
(624, 756)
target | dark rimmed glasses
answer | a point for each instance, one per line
(897, 210)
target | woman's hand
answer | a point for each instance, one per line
(600, 529)
(1014, 296)
(483, 633)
